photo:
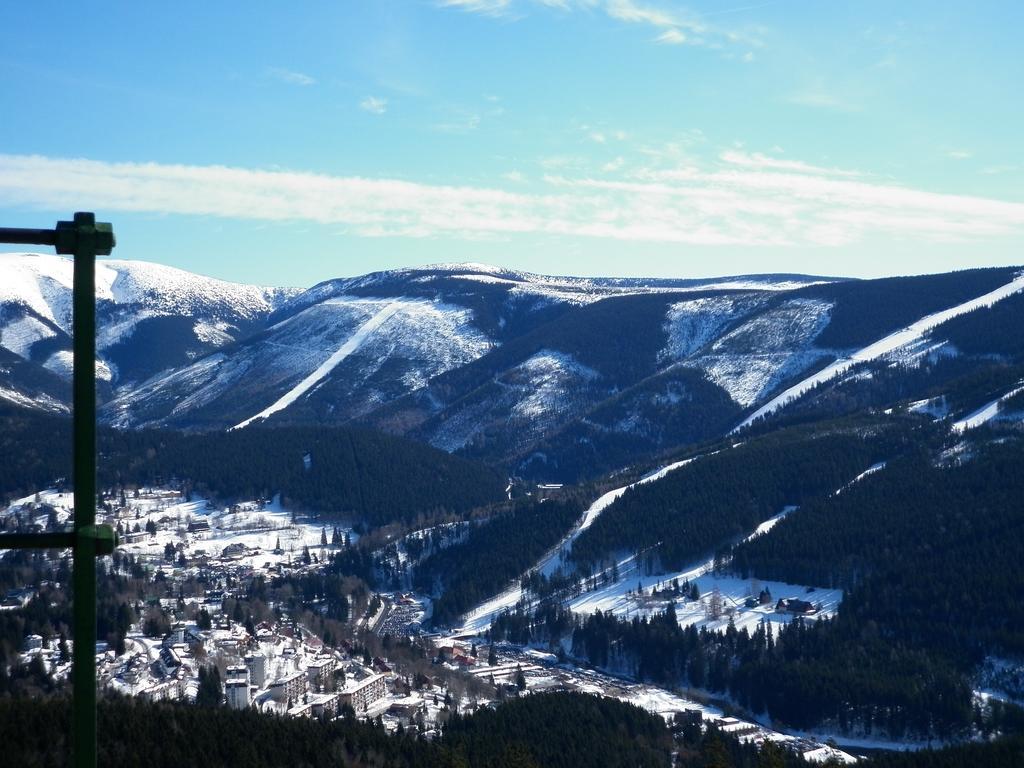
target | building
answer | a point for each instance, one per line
(169, 690)
(289, 688)
(324, 705)
(321, 673)
(792, 605)
(237, 692)
(361, 694)
(257, 666)
(199, 526)
(237, 672)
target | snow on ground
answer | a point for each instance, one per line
(882, 347)
(986, 413)
(37, 402)
(215, 333)
(936, 407)
(622, 598)
(533, 395)
(19, 335)
(346, 349)
(63, 364)
(692, 324)
(869, 471)
(479, 619)
(549, 374)
(259, 527)
(754, 358)
(43, 282)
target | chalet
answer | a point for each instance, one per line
(794, 606)
(234, 550)
(199, 526)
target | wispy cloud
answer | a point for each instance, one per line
(374, 105)
(488, 7)
(671, 37)
(819, 94)
(672, 24)
(764, 162)
(959, 154)
(740, 200)
(459, 122)
(290, 76)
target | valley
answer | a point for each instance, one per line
(721, 501)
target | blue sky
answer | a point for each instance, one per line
(261, 143)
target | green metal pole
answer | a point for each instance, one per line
(83, 239)
(84, 570)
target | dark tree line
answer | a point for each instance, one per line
(564, 730)
(988, 330)
(805, 675)
(493, 554)
(548, 730)
(930, 555)
(354, 473)
(866, 310)
(702, 506)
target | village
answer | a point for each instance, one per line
(206, 654)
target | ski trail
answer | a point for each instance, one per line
(478, 619)
(986, 413)
(881, 347)
(351, 345)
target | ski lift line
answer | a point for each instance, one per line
(84, 239)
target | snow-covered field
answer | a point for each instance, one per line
(478, 619)
(258, 527)
(632, 594)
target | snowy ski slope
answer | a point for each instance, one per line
(346, 349)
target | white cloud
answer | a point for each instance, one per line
(290, 76)
(959, 154)
(374, 105)
(516, 176)
(671, 37)
(756, 201)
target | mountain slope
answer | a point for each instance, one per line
(149, 317)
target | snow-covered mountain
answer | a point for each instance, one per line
(349, 348)
(151, 317)
(551, 377)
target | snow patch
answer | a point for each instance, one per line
(19, 336)
(692, 324)
(550, 375)
(986, 413)
(63, 364)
